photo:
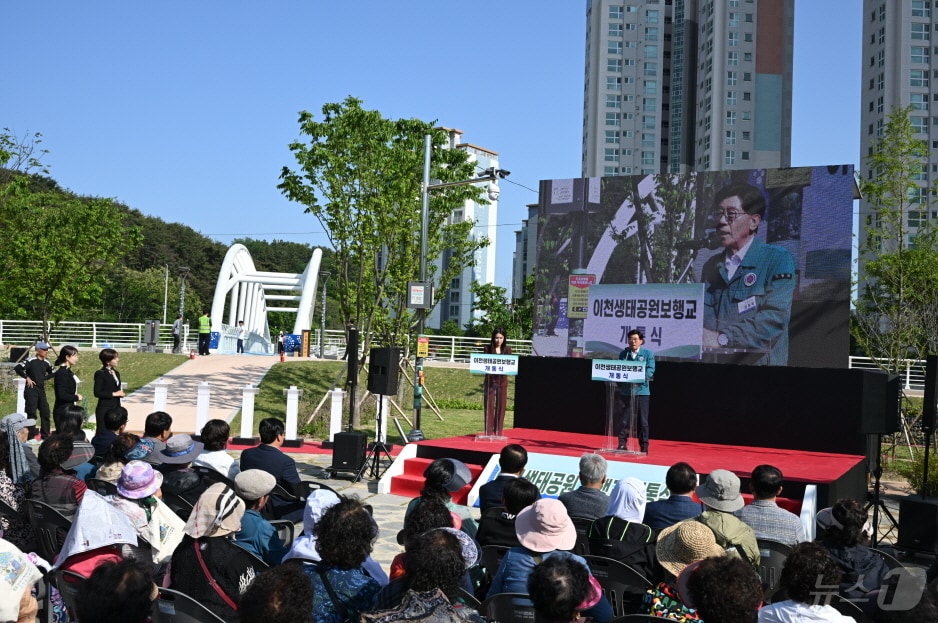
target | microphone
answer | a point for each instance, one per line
(710, 241)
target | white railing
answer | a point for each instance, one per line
(912, 372)
(121, 335)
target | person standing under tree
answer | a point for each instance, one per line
(66, 383)
(177, 332)
(107, 386)
(242, 333)
(205, 333)
(495, 386)
(636, 397)
(37, 371)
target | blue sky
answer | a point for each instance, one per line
(184, 110)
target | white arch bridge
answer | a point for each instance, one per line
(245, 293)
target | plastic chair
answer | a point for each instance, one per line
(772, 556)
(582, 525)
(850, 609)
(891, 561)
(623, 586)
(178, 504)
(101, 487)
(305, 488)
(285, 530)
(50, 526)
(207, 473)
(467, 598)
(68, 584)
(491, 557)
(174, 607)
(508, 608)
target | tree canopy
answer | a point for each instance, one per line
(360, 175)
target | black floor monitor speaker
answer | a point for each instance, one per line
(918, 524)
(382, 370)
(348, 451)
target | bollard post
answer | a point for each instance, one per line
(20, 396)
(160, 391)
(247, 437)
(335, 413)
(202, 406)
(293, 409)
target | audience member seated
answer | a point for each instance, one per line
(201, 565)
(561, 589)
(257, 535)
(304, 548)
(118, 455)
(22, 458)
(342, 588)
(99, 533)
(588, 501)
(281, 595)
(428, 515)
(117, 592)
(862, 569)
(71, 421)
(178, 476)
(18, 574)
(681, 480)
(58, 486)
(156, 430)
(14, 480)
(442, 478)
(498, 524)
(808, 569)
(621, 535)
(544, 530)
(725, 589)
(763, 515)
(215, 437)
(269, 457)
(437, 563)
(114, 421)
(137, 497)
(720, 494)
(678, 546)
(511, 463)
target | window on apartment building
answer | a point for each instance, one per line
(626, 170)
(627, 133)
(731, 78)
(919, 31)
(628, 79)
(612, 136)
(612, 118)
(651, 69)
(733, 19)
(615, 30)
(651, 86)
(749, 17)
(730, 137)
(612, 101)
(731, 98)
(733, 39)
(628, 98)
(729, 157)
(615, 12)
(869, 129)
(730, 117)
(919, 125)
(610, 170)
(651, 17)
(881, 82)
(648, 139)
(745, 135)
(872, 61)
(747, 57)
(628, 115)
(613, 83)
(744, 155)
(649, 121)
(628, 62)
(922, 174)
(611, 154)
(650, 104)
(651, 51)
(747, 96)
(918, 101)
(631, 9)
(631, 26)
(651, 33)
(920, 8)
(917, 78)
(747, 76)
(734, 4)
(614, 47)
(614, 65)
(627, 152)
(648, 157)
(747, 37)
(732, 58)
(882, 34)
(918, 54)
(631, 44)
(871, 105)
(747, 115)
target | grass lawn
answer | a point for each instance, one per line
(136, 369)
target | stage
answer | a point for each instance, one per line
(834, 475)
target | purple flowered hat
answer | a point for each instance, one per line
(138, 480)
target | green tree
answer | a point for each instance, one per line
(498, 311)
(57, 246)
(360, 175)
(896, 313)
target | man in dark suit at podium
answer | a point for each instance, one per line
(681, 480)
(511, 464)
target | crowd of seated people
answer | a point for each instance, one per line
(700, 565)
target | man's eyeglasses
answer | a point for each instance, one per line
(729, 215)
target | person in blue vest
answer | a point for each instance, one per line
(636, 397)
(750, 286)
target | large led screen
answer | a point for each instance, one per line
(743, 267)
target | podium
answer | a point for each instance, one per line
(613, 372)
(497, 369)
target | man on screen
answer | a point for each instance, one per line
(749, 287)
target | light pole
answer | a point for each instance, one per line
(489, 175)
(324, 277)
(165, 290)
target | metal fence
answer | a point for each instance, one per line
(120, 335)
(912, 371)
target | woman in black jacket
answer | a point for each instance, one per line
(66, 383)
(107, 385)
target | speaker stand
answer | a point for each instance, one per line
(373, 460)
(873, 499)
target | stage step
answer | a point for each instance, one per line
(410, 482)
